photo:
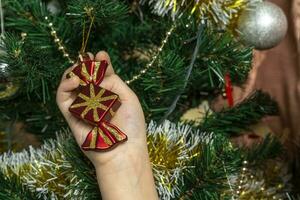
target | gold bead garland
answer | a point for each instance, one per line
(242, 178)
(17, 51)
(150, 64)
(245, 177)
(58, 41)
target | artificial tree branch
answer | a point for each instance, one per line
(188, 74)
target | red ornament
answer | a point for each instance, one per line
(103, 137)
(229, 90)
(90, 71)
(96, 106)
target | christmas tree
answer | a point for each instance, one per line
(175, 55)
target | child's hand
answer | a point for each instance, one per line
(125, 171)
(129, 117)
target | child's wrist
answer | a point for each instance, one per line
(124, 154)
(126, 174)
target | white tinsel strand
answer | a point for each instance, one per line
(37, 160)
(176, 133)
(216, 12)
(51, 156)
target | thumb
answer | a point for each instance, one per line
(115, 84)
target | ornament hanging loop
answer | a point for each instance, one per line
(86, 34)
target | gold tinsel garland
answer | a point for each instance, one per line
(219, 13)
(47, 171)
(170, 151)
(269, 182)
(171, 146)
(42, 170)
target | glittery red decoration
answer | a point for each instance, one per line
(96, 106)
(103, 137)
(90, 71)
(229, 90)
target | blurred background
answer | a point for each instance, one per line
(225, 73)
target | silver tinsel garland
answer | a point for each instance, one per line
(47, 172)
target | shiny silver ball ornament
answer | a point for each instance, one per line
(263, 26)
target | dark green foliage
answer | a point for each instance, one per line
(106, 12)
(132, 36)
(84, 170)
(234, 121)
(161, 92)
(122, 32)
(12, 189)
(270, 148)
(216, 162)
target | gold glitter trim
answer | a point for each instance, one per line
(94, 138)
(114, 132)
(85, 73)
(93, 102)
(96, 68)
(105, 138)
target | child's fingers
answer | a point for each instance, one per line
(69, 84)
(102, 55)
(66, 87)
(112, 81)
(66, 72)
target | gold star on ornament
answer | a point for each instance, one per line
(93, 102)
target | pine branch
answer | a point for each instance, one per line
(106, 12)
(12, 189)
(234, 121)
(187, 76)
(269, 148)
(157, 89)
(217, 162)
(208, 178)
(84, 171)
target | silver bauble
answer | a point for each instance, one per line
(3, 70)
(263, 26)
(54, 7)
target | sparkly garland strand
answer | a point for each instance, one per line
(135, 77)
(47, 171)
(219, 13)
(58, 41)
(150, 64)
(252, 184)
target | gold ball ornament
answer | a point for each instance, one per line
(7, 88)
(263, 26)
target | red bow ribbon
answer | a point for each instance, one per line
(96, 106)
(90, 71)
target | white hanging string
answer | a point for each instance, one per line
(2, 65)
(2, 20)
